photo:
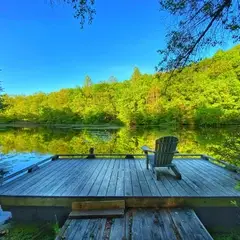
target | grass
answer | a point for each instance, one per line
(30, 232)
(237, 187)
(226, 236)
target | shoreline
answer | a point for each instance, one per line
(106, 126)
(60, 125)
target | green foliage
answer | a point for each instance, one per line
(56, 227)
(201, 25)
(226, 236)
(84, 10)
(208, 115)
(30, 231)
(87, 82)
(136, 74)
(206, 93)
(238, 186)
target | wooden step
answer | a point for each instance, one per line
(113, 213)
(98, 205)
(147, 224)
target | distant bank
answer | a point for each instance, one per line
(74, 126)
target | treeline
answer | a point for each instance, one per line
(205, 93)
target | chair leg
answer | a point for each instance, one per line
(176, 172)
(158, 174)
(147, 162)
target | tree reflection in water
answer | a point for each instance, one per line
(222, 143)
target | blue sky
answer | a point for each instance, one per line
(43, 48)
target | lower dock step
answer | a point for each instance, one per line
(97, 213)
(97, 209)
(137, 224)
(97, 205)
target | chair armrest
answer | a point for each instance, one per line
(176, 151)
(146, 149)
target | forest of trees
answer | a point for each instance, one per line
(205, 93)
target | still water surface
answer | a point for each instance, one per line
(20, 147)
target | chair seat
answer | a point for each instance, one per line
(151, 158)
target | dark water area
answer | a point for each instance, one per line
(20, 147)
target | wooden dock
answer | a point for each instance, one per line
(138, 224)
(62, 181)
(53, 186)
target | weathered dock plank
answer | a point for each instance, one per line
(188, 224)
(163, 190)
(77, 180)
(22, 182)
(93, 230)
(226, 177)
(86, 185)
(137, 191)
(142, 180)
(217, 181)
(93, 205)
(131, 202)
(54, 186)
(150, 181)
(122, 178)
(137, 224)
(202, 181)
(96, 213)
(106, 179)
(111, 190)
(79, 185)
(98, 181)
(128, 191)
(194, 180)
(118, 229)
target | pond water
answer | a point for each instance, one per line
(20, 147)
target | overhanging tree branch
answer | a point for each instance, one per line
(215, 16)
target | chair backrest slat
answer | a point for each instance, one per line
(164, 150)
